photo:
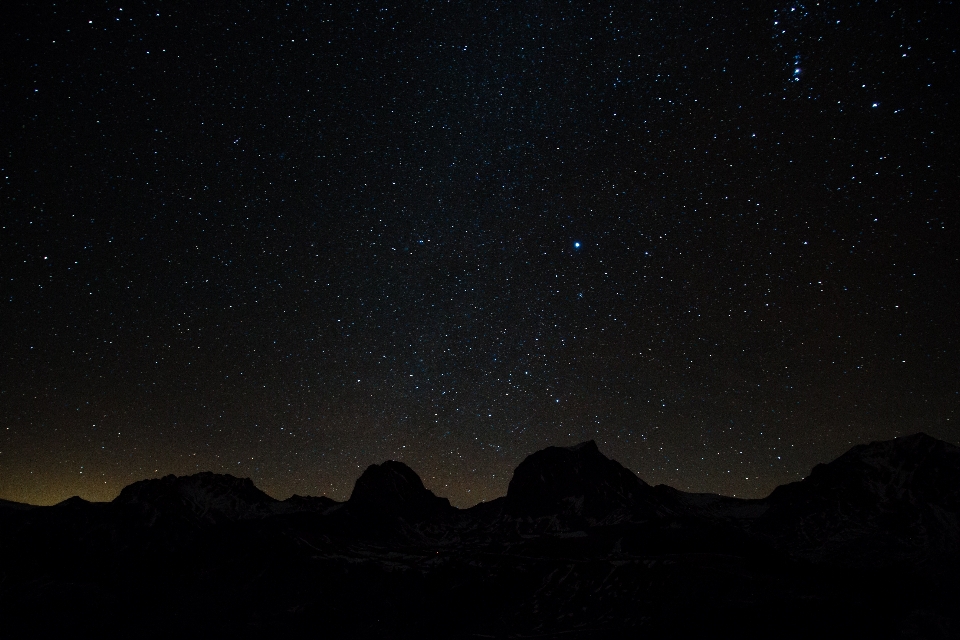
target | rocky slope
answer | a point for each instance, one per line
(885, 503)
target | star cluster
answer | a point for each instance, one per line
(287, 242)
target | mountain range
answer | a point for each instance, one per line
(580, 547)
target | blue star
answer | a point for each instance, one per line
(576, 246)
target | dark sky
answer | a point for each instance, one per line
(289, 241)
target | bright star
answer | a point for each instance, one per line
(576, 245)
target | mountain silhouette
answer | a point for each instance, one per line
(578, 480)
(297, 503)
(15, 506)
(896, 501)
(580, 547)
(393, 489)
(206, 497)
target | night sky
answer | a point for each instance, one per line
(289, 241)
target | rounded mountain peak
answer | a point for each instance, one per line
(578, 479)
(391, 489)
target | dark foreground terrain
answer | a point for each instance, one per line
(868, 546)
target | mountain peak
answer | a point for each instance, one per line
(577, 480)
(918, 437)
(589, 445)
(895, 460)
(919, 441)
(309, 503)
(72, 502)
(391, 489)
(207, 496)
(883, 499)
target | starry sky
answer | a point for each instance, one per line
(287, 241)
